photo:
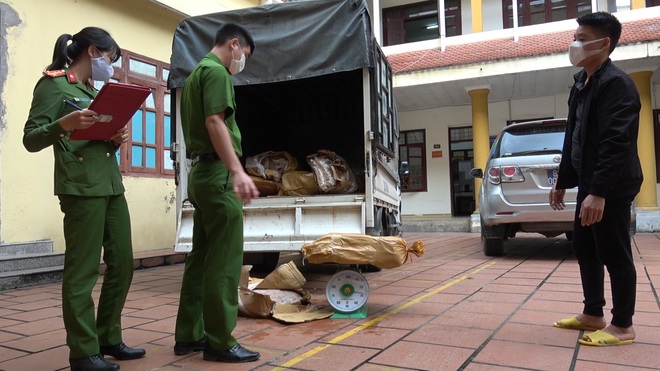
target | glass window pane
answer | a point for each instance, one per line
(136, 124)
(166, 131)
(136, 154)
(150, 128)
(415, 152)
(415, 137)
(167, 162)
(151, 157)
(166, 74)
(142, 68)
(403, 153)
(167, 101)
(150, 101)
(118, 155)
(118, 62)
(415, 166)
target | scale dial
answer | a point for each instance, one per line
(347, 291)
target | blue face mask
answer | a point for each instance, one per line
(101, 69)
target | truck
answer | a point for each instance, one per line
(317, 80)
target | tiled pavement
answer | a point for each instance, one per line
(453, 309)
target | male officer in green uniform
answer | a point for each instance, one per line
(91, 194)
(217, 184)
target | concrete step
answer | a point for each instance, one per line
(33, 269)
(31, 247)
(29, 277)
(435, 224)
(11, 263)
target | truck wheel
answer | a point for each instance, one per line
(493, 246)
(265, 262)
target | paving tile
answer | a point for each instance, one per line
(450, 336)
(524, 355)
(418, 356)
(34, 315)
(478, 306)
(642, 355)
(486, 321)
(370, 337)
(323, 357)
(46, 340)
(8, 354)
(34, 305)
(52, 359)
(538, 334)
(36, 327)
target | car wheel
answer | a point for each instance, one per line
(569, 236)
(493, 246)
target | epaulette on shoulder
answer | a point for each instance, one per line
(70, 76)
(55, 73)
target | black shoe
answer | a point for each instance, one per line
(92, 363)
(182, 347)
(236, 354)
(122, 352)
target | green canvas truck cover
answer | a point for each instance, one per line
(293, 40)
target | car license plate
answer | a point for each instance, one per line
(552, 177)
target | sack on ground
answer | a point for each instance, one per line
(344, 248)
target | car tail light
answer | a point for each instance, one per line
(494, 175)
(505, 174)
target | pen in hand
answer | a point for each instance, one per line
(71, 104)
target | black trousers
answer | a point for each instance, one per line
(607, 244)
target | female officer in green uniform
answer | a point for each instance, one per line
(91, 194)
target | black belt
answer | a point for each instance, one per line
(205, 157)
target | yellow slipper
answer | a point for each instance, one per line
(573, 324)
(602, 339)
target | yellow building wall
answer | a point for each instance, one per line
(28, 209)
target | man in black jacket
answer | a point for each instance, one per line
(600, 158)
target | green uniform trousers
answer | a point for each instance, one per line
(89, 223)
(209, 291)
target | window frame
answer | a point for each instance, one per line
(526, 12)
(158, 85)
(394, 19)
(405, 146)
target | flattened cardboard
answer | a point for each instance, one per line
(255, 303)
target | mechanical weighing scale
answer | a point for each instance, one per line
(347, 291)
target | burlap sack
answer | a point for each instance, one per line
(299, 183)
(271, 165)
(332, 173)
(383, 252)
(265, 187)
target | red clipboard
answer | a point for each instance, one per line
(115, 105)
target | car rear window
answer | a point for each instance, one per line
(531, 140)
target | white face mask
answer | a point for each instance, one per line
(237, 65)
(101, 69)
(577, 54)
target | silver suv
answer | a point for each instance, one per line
(521, 169)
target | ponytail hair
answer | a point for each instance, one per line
(64, 53)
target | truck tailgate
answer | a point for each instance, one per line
(286, 223)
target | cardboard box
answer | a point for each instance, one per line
(279, 296)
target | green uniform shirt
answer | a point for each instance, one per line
(82, 167)
(208, 91)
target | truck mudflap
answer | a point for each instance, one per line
(286, 223)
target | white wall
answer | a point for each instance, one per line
(437, 121)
